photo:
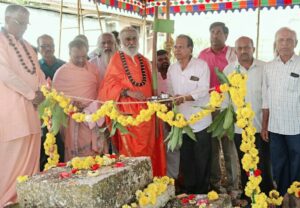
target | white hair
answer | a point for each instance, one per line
(13, 9)
(125, 31)
(106, 34)
(286, 29)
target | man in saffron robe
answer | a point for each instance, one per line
(128, 79)
(79, 78)
(20, 79)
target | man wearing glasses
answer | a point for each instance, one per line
(188, 82)
(49, 64)
(20, 80)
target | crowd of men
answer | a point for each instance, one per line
(117, 71)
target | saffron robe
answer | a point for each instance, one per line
(20, 127)
(143, 143)
(82, 82)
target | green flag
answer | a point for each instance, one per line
(163, 25)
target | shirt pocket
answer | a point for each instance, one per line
(293, 84)
(191, 85)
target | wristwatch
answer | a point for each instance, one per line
(124, 92)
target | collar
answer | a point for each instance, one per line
(43, 61)
(224, 50)
(254, 64)
(292, 59)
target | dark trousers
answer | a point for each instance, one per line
(60, 148)
(285, 156)
(195, 162)
(264, 163)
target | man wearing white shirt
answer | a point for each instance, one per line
(253, 68)
(281, 110)
(188, 81)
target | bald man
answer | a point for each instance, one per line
(247, 64)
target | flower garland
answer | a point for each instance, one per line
(274, 198)
(235, 86)
(294, 189)
(85, 163)
(149, 195)
(245, 116)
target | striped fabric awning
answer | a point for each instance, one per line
(195, 6)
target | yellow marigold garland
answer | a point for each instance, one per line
(85, 163)
(245, 116)
(237, 90)
(274, 198)
(295, 189)
(149, 195)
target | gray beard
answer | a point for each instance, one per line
(130, 52)
(105, 58)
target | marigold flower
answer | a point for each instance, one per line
(212, 195)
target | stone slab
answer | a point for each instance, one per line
(113, 187)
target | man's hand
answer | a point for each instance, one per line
(265, 123)
(78, 105)
(179, 99)
(136, 94)
(264, 135)
(39, 97)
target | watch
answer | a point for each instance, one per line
(124, 92)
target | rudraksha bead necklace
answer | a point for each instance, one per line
(144, 78)
(13, 45)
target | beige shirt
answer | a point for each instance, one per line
(254, 89)
(18, 118)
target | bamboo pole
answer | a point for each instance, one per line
(168, 17)
(99, 16)
(60, 27)
(144, 29)
(154, 58)
(81, 16)
(257, 29)
(154, 71)
(78, 16)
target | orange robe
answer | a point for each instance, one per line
(144, 143)
(20, 129)
(83, 82)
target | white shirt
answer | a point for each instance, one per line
(194, 81)
(254, 89)
(281, 95)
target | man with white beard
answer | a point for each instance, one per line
(128, 80)
(107, 47)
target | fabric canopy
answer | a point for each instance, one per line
(194, 6)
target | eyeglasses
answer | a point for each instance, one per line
(44, 46)
(179, 47)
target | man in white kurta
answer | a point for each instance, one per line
(188, 82)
